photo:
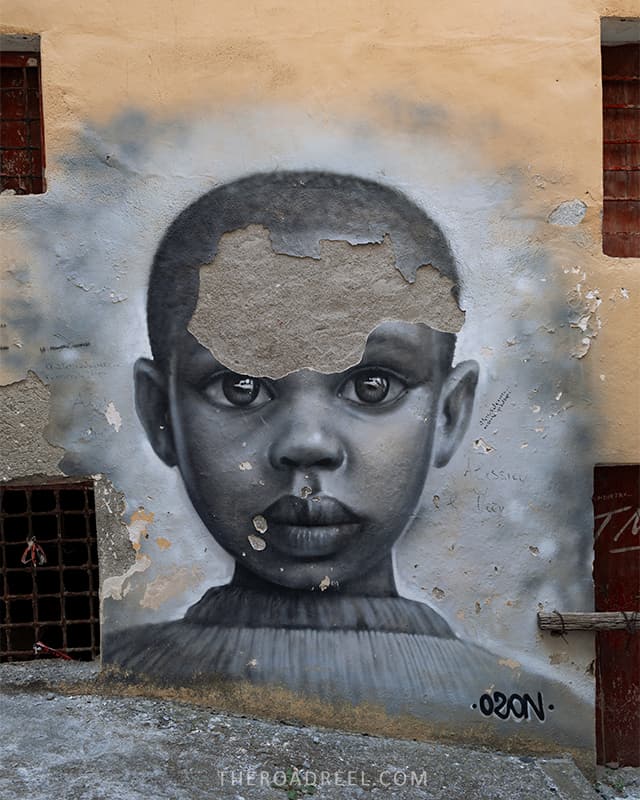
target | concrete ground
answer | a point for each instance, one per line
(93, 747)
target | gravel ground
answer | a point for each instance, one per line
(76, 744)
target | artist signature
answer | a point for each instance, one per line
(518, 706)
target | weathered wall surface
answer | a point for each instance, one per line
(488, 118)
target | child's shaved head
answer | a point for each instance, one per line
(299, 209)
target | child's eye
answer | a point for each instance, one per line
(372, 387)
(230, 389)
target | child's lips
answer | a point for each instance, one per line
(309, 511)
(313, 527)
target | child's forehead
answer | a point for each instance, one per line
(262, 312)
(413, 351)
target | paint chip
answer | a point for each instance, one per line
(325, 583)
(305, 492)
(260, 524)
(245, 465)
(257, 542)
(137, 526)
(113, 417)
(483, 447)
(509, 662)
(535, 551)
(438, 593)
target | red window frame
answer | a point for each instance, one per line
(22, 154)
(621, 149)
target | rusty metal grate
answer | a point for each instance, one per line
(55, 602)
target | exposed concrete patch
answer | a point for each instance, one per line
(119, 561)
(24, 414)
(115, 587)
(567, 214)
(253, 301)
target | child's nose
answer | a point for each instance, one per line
(305, 445)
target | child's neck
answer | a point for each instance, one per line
(379, 583)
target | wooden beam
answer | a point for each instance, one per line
(589, 621)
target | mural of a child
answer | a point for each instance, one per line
(339, 462)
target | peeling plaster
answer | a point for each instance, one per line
(24, 414)
(170, 585)
(567, 214)
(114, 545)
(119, 546)
(163, 544)
(483, 447)
(137, 527)
(509, 662)
(113, 417)
(116, 587)
(584, 305)
(252, 298)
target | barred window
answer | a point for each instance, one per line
(621, 137)
(21, 129)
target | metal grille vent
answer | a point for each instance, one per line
(48, 571)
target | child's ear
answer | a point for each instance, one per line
(456, 405)
(152, 405)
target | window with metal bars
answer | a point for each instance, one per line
(621, 139)
(48, 572)
(21, 129)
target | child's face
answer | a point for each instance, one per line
(334, 463)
